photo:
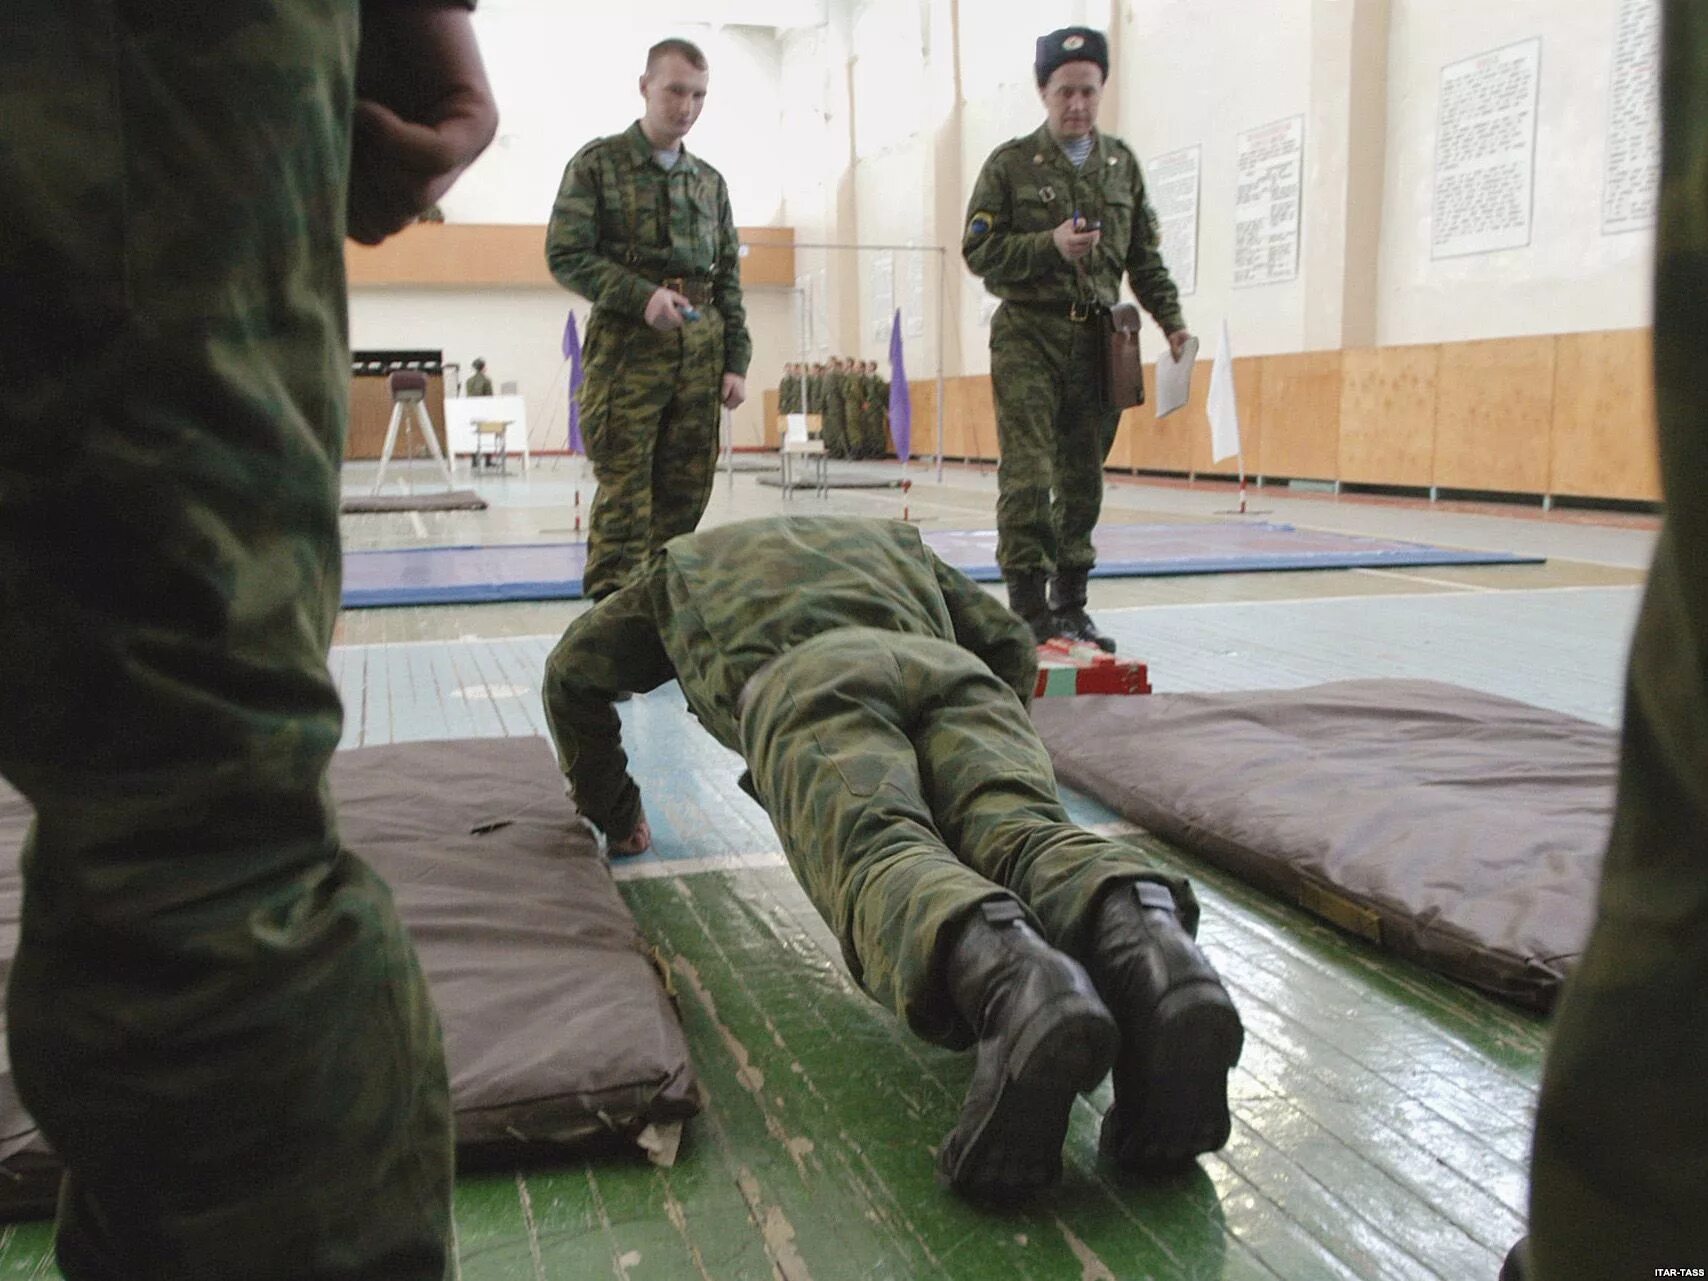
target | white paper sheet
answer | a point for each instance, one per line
(1174, 378)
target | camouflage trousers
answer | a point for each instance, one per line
(213, 1012)
(1054, 432)
(650, 409)
(908, 785)
(1620, 1172)
(833, 427)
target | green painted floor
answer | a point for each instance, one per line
(1382, 1116)
(1381, 1126)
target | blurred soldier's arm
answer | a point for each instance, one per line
(989, 629)
(1152, 284)
(573, 249)
(424, 111)
(726, 297)
(612, 648)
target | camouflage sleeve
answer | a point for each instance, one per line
(726, 289)
(985, 626)
(1152, 284)
(613, 647)
(572, 244)
(991, 248)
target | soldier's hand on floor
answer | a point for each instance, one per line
(664, 309)
(1073, 243)
(424, 111)
(735, 391)
(636, 842)
(1177, 341)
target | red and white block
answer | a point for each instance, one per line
(1069, 667)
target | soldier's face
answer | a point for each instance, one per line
(674, 91)
(1071, 96)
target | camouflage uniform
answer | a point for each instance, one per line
(478, 385)
(789, 395)
(854, 414)
(834, 406)
(878, 415)
(1045, 346)
(1620, 1174)
(878, 698)
(213, 1014)
(650, 400)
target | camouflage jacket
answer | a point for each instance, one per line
(712, 608)
(1027, 188)
(622, 225)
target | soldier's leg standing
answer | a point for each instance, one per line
(1620, 1173)
(685, 460)
(631, 373)
(1085, 433)
(1027, 351)
(213, 1013)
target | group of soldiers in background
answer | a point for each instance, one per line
(852, 400)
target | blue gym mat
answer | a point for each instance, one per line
(552, 571)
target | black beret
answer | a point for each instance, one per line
(1070, 44)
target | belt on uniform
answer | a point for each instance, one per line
(696, 290)
(1078, 312)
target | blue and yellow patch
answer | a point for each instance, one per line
(980, 223)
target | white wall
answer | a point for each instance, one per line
(1570, 277)
(565, 74)
(1201, 72)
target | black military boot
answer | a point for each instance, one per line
(1026, 598)
(1067, 601)
(1180, 1033)
(1043, 1037)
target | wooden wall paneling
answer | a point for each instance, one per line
(370, 416)
(925, 419)
(486, 255)
(1494, 415)
(767, 257)
(1250, 392)
(1194, 421)
(970, 418)
(922, 408)
(1134, 425)
(1603, 441)
(1301, 416)
(1387, 414)
(1161, 444)
(773, 437)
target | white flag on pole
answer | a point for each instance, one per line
(1223, 405)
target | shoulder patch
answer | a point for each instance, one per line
(980, 222)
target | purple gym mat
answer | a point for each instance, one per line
(552, 571)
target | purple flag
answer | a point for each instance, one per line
(572, 353)
(901, 403)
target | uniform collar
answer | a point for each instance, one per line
(1044, 144)
(642, 151)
